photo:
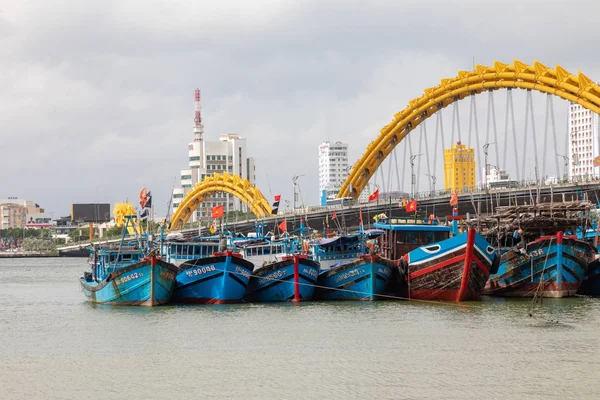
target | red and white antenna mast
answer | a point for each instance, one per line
(198, 127)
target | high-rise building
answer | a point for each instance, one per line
(228, 154)
(584, 142)
(459, 168)
(333, 169)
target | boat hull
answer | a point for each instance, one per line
(362, 279)
(145, 283)
(292, 279)
(551, 266)
(591, 282)
(454, 269)
(220, 279)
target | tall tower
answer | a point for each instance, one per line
(584, 142)
(198, 127)
(459, 168)
(333, 169)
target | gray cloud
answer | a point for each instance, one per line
(97, 98)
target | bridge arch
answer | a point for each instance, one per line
(559, 82)
(232, 184)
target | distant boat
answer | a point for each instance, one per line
(126, 277)
(551, 266)
(207, 275)
(347, 271)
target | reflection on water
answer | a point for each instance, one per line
(55, 345)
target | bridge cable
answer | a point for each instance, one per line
(429, 176)
(382, 176)
(546, 126)
(495, 129)
(475, 121)
(568, 172)
(525, 135)
(534, 136)
(410, 150)
(441, 121)
(397, 172)
(390, 172)
(404, 161)
(421, 134)
(435, 141)
(514, 131)
(553, 122)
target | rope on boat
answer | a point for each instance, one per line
(538, 294)
(386, 296)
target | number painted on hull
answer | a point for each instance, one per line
(274, 276)
(168, 275)
(243, 272)
(129, 278)
(310, 272)
(200, 271)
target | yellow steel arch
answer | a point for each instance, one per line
(579, 89)
(232, 184)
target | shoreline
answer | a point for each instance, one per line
(33, 254)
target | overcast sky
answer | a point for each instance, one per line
(96, 98)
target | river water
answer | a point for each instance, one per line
(55, 345)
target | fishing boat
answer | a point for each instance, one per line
(551, 266)
(128, 274)
(433, 265)
(591, 281)
(350, 270)
(283, 269)
(210, 273)
(454, 269)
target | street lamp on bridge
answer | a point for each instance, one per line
(566, 164)
(413, 179)
(485, 163)
(433, 180)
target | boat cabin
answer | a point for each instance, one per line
(403, 235)
(104, 260)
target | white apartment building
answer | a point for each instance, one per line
(584, 142)
(205, 158)
(333, 168)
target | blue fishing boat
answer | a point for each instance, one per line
(591, 281)
(283, 270)
(347, 271)
(123, 278)
(128, 274)
(363, 278)
(291, 279)
(209, 272)
(551, 266)
(432, 264)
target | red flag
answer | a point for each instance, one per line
(375, 195)
(283, 226)
(454, 199)
(596, 161)
(333, 216)
(411, 206)
(217, 211)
